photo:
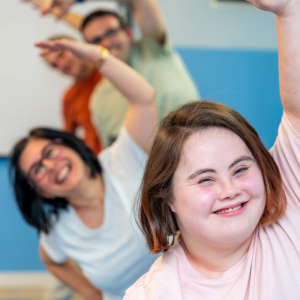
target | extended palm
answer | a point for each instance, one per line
(83, 51)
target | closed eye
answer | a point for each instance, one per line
(206, 179)
(241, 170)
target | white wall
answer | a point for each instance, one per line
(211, 24)
(30, 91)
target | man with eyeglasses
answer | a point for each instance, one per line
(76, 99)
(152, 56)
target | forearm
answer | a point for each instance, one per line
(130, 83)
(74, 20)
(70, 275)
(149, 18)
(288, 31)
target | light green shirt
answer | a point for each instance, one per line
(164, 70)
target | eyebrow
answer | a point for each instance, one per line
(241, 158)
(206, 170)
(201, 171)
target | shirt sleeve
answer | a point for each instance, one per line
(286, 153)
(50, 244)
(125, 157)
(155, 48)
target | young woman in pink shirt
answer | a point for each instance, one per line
(224, 211)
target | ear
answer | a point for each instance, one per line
(129, 32)
(172, 206)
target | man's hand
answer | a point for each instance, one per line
(278, 7)
(86, 52)
(63, 5)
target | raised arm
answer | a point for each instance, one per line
(149, 18)
(141, 117)
(146, 12)
(288, 32)
(73, 19)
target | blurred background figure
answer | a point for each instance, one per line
(82, 207)
(152, 55)
(76, 99)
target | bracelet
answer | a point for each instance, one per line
(104, 53)
(79, 0)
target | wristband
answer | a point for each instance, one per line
(104, 53)
(79, 0)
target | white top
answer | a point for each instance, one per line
(270, 270)
(113, 256)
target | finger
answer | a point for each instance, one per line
(49, 45)
(46, 7)
(45, 52)
(66, 44)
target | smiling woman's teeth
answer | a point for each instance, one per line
(63, 174)
(229, 210)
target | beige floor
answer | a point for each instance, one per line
(28, 294)
(31, 286)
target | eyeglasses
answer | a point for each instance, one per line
(38, 171)
(107, 35)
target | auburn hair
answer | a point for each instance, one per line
(155, 217)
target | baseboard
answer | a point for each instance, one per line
(26, 285)
(26, 279)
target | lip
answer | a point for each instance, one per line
(233, 213)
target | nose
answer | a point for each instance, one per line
(49, 164)
(228, 190)
(105, 42)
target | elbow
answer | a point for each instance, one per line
(45, 257)
(151, 95)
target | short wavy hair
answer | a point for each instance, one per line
(154, 215)
(37, 210)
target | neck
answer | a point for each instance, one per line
(89, 194)
(85, 72)
(213, 262)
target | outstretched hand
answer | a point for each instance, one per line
(36, 3)
(63, 5)
(278, 7)
(86, 52)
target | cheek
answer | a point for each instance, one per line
(193, 204)
(253, 184)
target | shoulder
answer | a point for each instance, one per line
(147, 45)
(124, 152)
(153, 285)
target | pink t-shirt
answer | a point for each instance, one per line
(270, 270)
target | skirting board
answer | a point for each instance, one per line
(26, 285)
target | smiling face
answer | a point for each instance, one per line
(218, 190)
(119, 44)
(62, 168)
(66, 63)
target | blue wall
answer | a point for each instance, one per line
(244, 80)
